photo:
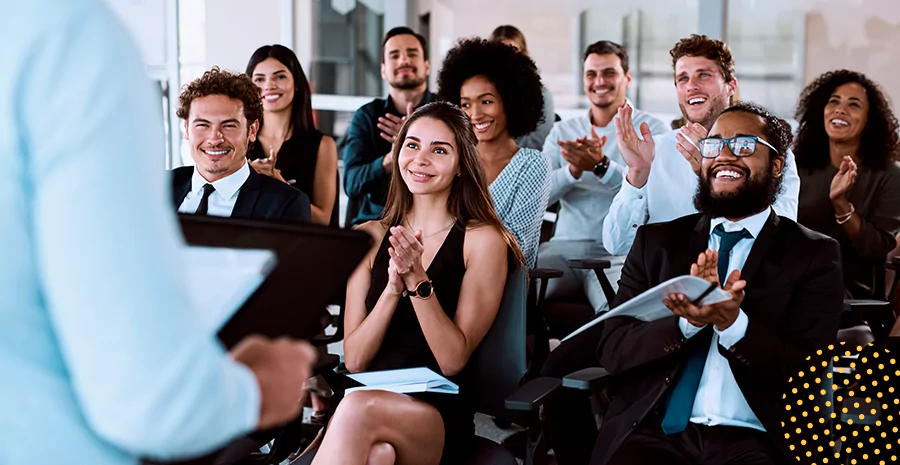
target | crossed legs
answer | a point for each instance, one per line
(382, 428)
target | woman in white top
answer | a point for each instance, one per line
(500, 91)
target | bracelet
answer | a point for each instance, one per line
(841, 219)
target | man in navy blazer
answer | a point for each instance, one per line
(221, 113)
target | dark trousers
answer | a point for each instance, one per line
(696, 445)
(567, 419)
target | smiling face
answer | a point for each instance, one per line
(736, 187)
(276, 84)
(702, 91)
(847, 113)
(428, 159)
(480, 99)
(605, 82)
(219, 135)
(404, 65)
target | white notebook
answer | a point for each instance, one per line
(220, 280)
(648, 306)
(405, 381)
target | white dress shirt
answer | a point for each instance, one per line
(669, 194)
(102, 359)
(222, 200)
(584, 202)
(719, 399)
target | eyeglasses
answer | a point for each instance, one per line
(740, 146)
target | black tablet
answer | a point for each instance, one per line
(314, 263)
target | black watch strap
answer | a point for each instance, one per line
(601, 168)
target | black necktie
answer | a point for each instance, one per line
(204, 201)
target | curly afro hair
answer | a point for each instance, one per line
(220, 82)
(778, 131)
(513, 74)
(880, 143)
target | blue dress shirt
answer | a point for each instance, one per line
(719, 400)
(102, 358)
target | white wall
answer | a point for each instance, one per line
(236, 28)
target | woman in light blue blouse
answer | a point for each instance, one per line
(500, 90)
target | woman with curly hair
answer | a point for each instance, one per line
(500, 91)
(847, 149)
(512, 36)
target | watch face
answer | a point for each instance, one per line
(424, 290)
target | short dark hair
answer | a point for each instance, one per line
(221, 82)
(880, 144)
(702, 46)
(402, 31)
(513, 74)
(605, 47)
(778, 131)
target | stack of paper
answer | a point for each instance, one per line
(404, 381)
(220, 280)
(649, 305)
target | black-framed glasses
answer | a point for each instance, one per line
(740, 146)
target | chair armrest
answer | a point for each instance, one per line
(532, 394)
(586, 379)
(589, 264)
(544, 273)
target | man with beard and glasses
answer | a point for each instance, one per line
(587, 173)
(662, 169)
(705, 384)
(374, 127)
(221, 112)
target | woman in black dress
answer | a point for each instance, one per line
(439, 232)
(847, 148)
(288, 146)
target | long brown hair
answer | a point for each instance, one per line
(510, 32)
(470, 200)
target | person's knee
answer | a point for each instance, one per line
(358, 408)
(381, 453)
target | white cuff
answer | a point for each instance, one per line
(687, 328)
(569, 177)
(734, 333)
(614, 166)
(632, 191)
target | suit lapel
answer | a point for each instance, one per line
(247, 196)
(760, 247)
(698, 242)
(181, 185)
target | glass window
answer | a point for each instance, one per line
(346, 48)
(767, 50)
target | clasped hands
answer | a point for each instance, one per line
(405, 269)
(583, 153)
(722, 314)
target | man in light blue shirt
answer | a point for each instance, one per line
(587, 173)
(103, 360)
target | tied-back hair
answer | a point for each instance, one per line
(879, 142)
(510, 32)
(301, 107)
(470, 200)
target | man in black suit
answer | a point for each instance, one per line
(705, 385)
(221, 112)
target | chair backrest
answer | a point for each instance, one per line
(500, 359)
(335, 221)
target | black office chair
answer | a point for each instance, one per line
(500, 368)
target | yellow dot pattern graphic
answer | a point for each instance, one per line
(849, 412)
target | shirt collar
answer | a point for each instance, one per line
(227, 187)
(753, 224)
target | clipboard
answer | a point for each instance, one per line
(313, 265)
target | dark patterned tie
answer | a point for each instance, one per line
(681, 401)
(208, 189)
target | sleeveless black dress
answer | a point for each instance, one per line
(404, 344)
(297, 158)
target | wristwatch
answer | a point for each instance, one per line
(423, 290)
(601, 167)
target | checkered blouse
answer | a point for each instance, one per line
(520, 196)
